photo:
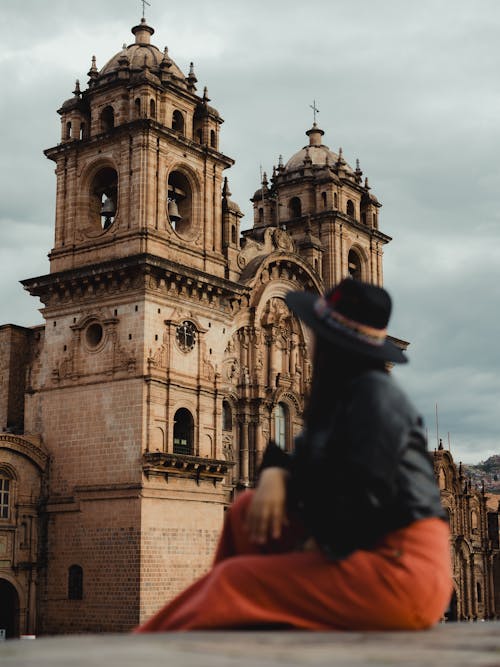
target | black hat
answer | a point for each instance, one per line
(353, 315)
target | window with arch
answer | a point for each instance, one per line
(183, 432)
(104, 198)
(75, 582)
(323, 199)
(295, 207)
(137, 107)
(180, 202)
(261, 214)
(5, 494)
(335, 200)
(178, 122)
(83, 131)
(280, 425)
(474, 523)
(68, 131)
(152, 109)
(350, 208)
(213, 139)
(227, 416)
(107, 119)
(233, 235)
(354, 265)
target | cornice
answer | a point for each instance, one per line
(139, 272)
(180, 465)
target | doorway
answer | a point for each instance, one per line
(9, 609)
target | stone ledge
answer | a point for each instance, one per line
(454, 644)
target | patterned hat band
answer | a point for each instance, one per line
(362, 332)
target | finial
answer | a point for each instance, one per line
(265, 182)
(280, 162)
(206, 98)
(124, 46)
(191, 78)
(166, 62)
(93, 73)
(367, 186)
(77, 92)
(440, 448)
(225, 189)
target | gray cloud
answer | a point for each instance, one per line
(409, 88)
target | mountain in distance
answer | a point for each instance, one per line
(487, 471)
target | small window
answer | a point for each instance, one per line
(137, 106)
(68, 130)
(233, 235)
(350, 208)
(227, 417)
(152, 109)
(354, 265)
(261, 214)
(199, 135)
(335, 200)
(107, 119)
(280, 419)
(94, 334)
(5, 491)
(75, 583)
(213, 139)
(183, 432)
(82, 131)
(323, 198)
(363, 218)
(295, 207)
(178, 122)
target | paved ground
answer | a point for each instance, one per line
(457, 645)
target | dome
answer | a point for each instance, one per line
(142, 54)
(316, 153)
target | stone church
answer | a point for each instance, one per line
(167, 357)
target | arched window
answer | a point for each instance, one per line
(5, 494)
(183, 432)
(233, 235)
(295, 207)
(335, 200)
(68, 131)
(363, 218)
(227, 417)
(137, 107)
(104, 198)
(442, 479)
(213, 139)
(178, 122)
(261, 214)
(350, 208)
(280, 419)
(199, 135)
(180, 202)
(354, 265)
(82, 131)
(152, 108)
(323, 198)
(473, 520)
(75, 583)
(107, 119)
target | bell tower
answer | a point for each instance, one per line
(138, 167)
(127, 392)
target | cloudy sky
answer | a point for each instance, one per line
(410, 88)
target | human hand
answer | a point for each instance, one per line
(266, 515)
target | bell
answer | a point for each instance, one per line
(107, 212)
(108, 208)
(173, 211)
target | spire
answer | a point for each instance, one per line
(191, 78)
(142, 32)
(358, 173)
(93, 73)
(280, 163)
(206, 98)
(77, 92)
(440, 448)
(367, 186)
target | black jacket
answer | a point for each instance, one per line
(366, 473)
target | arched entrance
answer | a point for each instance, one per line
(9, 609)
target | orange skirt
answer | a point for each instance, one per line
(404, 583)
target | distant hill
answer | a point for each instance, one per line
(487, 471)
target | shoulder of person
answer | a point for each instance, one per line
(379, 392)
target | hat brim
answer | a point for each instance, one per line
(302, 304)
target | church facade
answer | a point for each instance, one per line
(167, 357)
